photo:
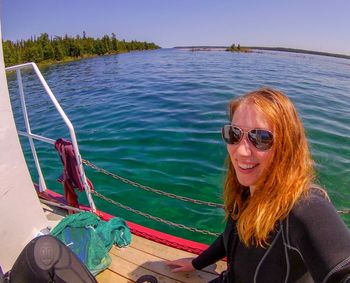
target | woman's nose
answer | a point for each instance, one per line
(243, 148)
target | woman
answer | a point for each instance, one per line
(280, 227)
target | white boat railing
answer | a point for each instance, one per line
(31, 136)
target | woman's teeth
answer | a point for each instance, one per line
(247, 166)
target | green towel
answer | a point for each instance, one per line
(91, 238)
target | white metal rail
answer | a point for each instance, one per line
(32, 136)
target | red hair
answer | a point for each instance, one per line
(287, 177)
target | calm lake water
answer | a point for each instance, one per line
(154, 117)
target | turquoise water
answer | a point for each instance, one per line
(155, 117)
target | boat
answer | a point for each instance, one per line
(28, 210)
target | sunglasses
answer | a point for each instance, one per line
(261, 139)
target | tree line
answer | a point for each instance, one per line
(47, 49)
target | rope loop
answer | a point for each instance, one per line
(149, 189)
(158, 219)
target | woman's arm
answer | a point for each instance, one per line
(211, 255)
(215, 252)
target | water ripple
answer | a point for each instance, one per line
(155, 117)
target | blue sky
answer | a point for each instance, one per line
(322, 25)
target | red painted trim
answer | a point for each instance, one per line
(139, 230)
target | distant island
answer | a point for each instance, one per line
(232, 48)
(48, 50)
(294, 50)
(251, 48)
(238, 48)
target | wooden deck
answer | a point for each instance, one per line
(143, 257)
(147, 257)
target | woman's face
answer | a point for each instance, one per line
(247, 160)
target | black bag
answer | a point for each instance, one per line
(46, 259)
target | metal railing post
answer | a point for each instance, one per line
(42, 184)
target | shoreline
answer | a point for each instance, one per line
(72, 59)
(48, 63)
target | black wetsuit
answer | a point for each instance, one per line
(311, 245)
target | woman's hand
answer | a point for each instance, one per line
(181, 265)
